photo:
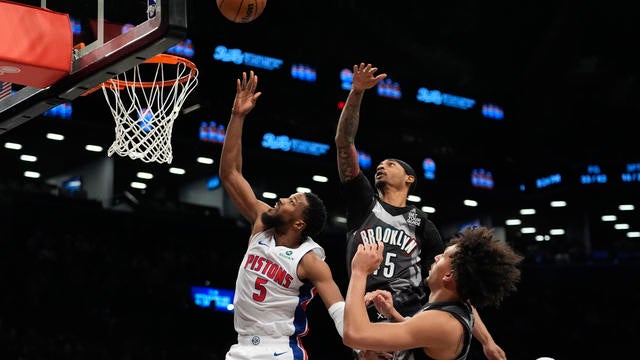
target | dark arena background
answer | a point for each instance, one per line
(518, 116)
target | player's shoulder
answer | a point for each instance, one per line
(312, 263)
(311, 247)
(428, 227)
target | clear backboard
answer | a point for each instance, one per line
(109, 37)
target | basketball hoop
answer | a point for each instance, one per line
(144, 111)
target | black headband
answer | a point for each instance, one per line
(409, 170)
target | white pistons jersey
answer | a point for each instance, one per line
(270, 299)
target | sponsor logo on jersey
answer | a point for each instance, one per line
(286, 255)
(413, 218)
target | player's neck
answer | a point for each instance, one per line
(287, 239)
(395, 198)
(442, 295)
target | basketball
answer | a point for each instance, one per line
(241, 11)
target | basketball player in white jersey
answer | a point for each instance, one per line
(283, 267)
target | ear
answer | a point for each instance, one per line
(449, 281)
(299, 225)
(411, 179)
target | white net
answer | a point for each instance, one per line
(144, 111)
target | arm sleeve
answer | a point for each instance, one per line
(432, 245)
(358, 194)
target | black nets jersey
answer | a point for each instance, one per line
(460, 311)
(410, 239)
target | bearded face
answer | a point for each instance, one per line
(271, 221)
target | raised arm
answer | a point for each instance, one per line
(428, 329)
(230, 170)
(366, 260)
(363, 78)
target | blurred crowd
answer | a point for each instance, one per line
(82, 282)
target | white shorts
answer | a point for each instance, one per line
(267, 348)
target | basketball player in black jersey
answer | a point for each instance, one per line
(476, 268)
(382, 214)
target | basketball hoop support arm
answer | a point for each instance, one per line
(146, 40)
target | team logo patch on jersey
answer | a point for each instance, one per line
(413, 218)
(255, 340)
(286, 255)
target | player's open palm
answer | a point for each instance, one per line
(364, 77)
(246, 95)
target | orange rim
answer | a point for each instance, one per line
(158, 59)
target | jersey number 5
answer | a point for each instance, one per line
(262, 291)
(389, 267)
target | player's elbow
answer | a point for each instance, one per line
(226, 173)
(347, 339)
(351, 338)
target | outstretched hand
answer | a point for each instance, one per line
(246, 95)
(364, 77)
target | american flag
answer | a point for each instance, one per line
(5, 89)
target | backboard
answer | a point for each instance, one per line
(109, 37)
